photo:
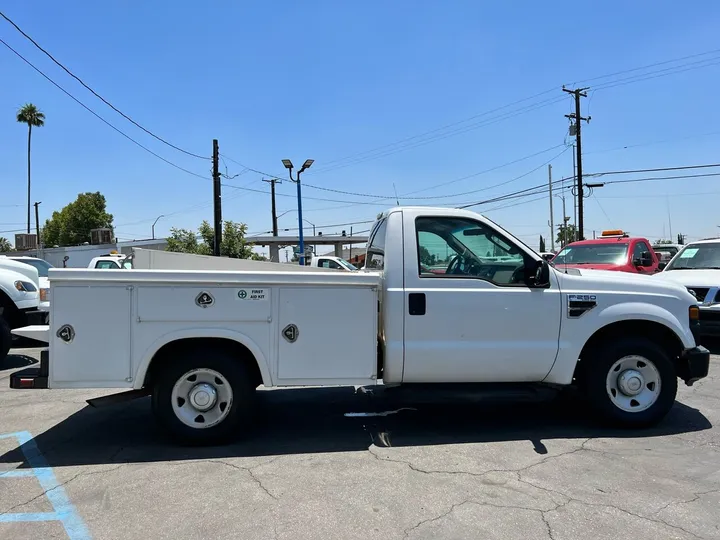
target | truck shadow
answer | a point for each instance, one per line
(313, 420)
(13, 361)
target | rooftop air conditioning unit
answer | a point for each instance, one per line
(25, 241)
(101, 236)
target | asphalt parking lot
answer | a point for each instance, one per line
(457, 471)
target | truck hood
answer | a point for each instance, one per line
(695, 278)
(27, 272)
(599, 280)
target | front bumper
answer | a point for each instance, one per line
(35, 317)
(694, 364)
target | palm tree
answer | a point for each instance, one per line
(29, 114)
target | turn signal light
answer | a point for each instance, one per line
(44, 293)
(694, 313)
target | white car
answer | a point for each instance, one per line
(42, 268)
(697, 267)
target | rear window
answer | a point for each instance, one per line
(375, 259)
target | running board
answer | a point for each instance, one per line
(39, 332)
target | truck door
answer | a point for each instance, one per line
(470, 314)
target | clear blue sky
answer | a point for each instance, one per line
(329, 79)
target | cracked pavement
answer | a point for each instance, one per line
(446, 470)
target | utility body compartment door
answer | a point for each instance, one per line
(90, 335)
(327, 335)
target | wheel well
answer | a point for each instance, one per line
(657, 332)
(10, 312)
(204, 345)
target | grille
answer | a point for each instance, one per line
(699, 292)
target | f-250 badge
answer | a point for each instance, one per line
(204, 299)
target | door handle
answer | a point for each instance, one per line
(416, 303)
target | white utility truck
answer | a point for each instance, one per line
(20, 300)
(202, 341)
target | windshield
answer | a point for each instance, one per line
(593, 254)
(347, 265)
(41, 266)
(696, 257)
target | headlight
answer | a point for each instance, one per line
(44, 293)
(25, 286)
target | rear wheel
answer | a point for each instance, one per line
(630, 382)
(204, 397)
(5, 338)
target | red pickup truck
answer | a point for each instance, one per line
(614, 250)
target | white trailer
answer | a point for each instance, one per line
(202, 341)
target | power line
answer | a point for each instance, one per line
(78, 79)
(76, 100)
(658, 169)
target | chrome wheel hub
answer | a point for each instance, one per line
(633, 383)
(202, 398)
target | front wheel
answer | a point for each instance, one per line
(204, 397)
(630, 383)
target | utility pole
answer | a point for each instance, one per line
(272, 182)
(217, 200)
(37, 225)
(578, 93)
(552, 224)
(350, 253)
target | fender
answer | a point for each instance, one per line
(186, 333)
(574, 337)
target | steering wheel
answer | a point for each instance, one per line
(454, 265)
(518, 275)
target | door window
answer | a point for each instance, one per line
(463, 248)
(106, 265)
(329, 263)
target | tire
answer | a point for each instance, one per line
(5, 339)
(610, 382)
(172, 399)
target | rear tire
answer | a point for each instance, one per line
(5, 338)
(204, 397)
(630, 383)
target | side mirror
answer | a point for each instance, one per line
(541, 278)
(646, 259)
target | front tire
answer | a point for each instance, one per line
(630, 383)
(204, 397)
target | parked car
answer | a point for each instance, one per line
(19, 300)
(111, 261)
(666, 252)
(614, 250)
(697, 267)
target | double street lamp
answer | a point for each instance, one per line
(289, 166)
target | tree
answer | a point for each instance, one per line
(566, 234)
(5, 245)
(233, 244)
(29, 114)
(542, 244)
(427, 258)
(71, 225)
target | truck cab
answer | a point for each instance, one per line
(332, 262)
(614, 250)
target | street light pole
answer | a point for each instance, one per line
(289, 166)
(153, 225)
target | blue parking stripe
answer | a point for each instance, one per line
(39, 516)
(64, 512)
(17, 473)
